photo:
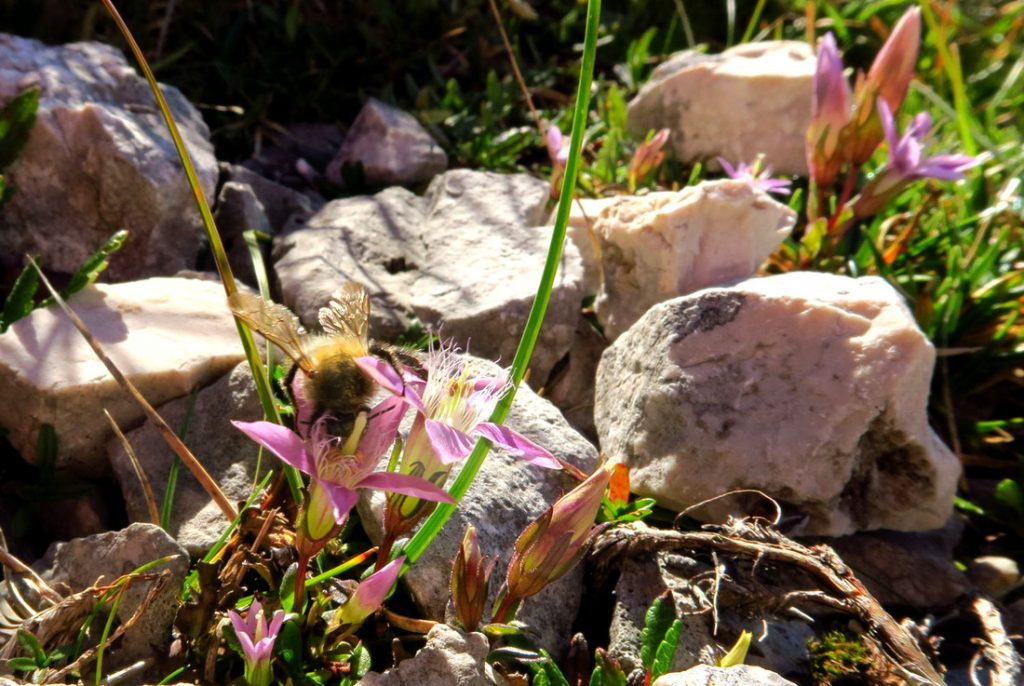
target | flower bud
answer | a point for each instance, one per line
(830, 111)
(471, 575)
(368, 596)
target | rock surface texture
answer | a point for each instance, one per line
(226, 453)
(167, 335)
(662, 245)
(450, 658)
(505, 497)
(743, 675)
(465, 258)
(751, 99)
(80, 564)
(393, 148)
(810, 387)
(98, 159)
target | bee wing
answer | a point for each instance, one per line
(275, 322)
(347, 313)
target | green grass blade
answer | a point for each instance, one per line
(167, 507)
(437, 519)
(21, 299)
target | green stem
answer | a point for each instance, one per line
(430, 529)
(216, 245)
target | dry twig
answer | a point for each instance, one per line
(996, 648)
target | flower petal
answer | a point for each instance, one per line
(281, 441)
(386, 375)
(343, 499)
(406, 484)
(449, 443)
(517, 444)
(381, 428)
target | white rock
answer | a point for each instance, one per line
(99, 158)
(227, 454)
(450, 658)
(662, 245)
(168, 335)
(742, 675)
(583, 214)
(995, 575)
(505, 497)
(465, 258)
(751, 99)
(392, 146)
(810, 387)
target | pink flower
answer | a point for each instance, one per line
(456, 403)
(756, 176)
(368, 596)
(558, 147)
(647, 157)
(257, 639)
(338, 471)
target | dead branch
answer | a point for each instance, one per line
(752, 541)
(996, 647)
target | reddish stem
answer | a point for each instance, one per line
(300, 582)
(384, 552)
(502, 614)
(844, 197)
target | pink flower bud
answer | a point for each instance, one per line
(830, 111)
(471, 574)
(368, 596)
(647, 157)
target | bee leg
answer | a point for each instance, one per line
(398, 358)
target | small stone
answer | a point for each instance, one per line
(662, 245)
(280, 203)
(227, 454)
(742, 675)
(294, 147)
(450, 658)
(238, 211)
(994, 575)
(167, 335)
(393, 148)
(752, 99)
(100, 158)
(809, 387)
(506, 496)
(80, 564)
(907, 569)
(464, 260)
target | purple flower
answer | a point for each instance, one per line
(830, 111)
(368, 596)
(455, 403)
(558, 147)
(257, 639)
(756, 176)
(338, 471)
(907, 163)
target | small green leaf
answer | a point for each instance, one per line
(547, 673)
(16, 120)
(607, 671)
(289, 647)
(666, 650)
(738, 653)
(22, 664)
(21, 300)
(1011, 494)
(47, 445)
(288, 587)
(657, 622)
(362, 661)
(31, 644)
(92, 267)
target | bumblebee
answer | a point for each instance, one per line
(331, 381)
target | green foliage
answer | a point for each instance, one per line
(659, 638)
(546, 672)
(36, 661)
(738, 653)
(16, 120)
(838, 655)
(607, 670)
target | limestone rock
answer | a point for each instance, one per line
(994, 575)
(167, 335)
(583, 214)
(238, 211)
(751, 99)
(742, 675)
(279, 202)
(81, 562)
(393, 148)
(99, 158)
(450, 658)
(810, 387)
(465, 258)
(505, 497)
(662, 245)
(226, 453)
(907, 569)
(571, 386)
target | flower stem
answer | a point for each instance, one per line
(430, 529)
(300, 582)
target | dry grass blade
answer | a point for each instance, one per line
(997, 649)
(140, 474)
(175, 443)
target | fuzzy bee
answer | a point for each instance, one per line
(331, 381)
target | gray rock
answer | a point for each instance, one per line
(450, 658)
(99, 159)
(238, 211)
(82, 562)
(571, 386)
(751, 99)
(465, 258)
(280, 203)
(167, 335)
(742, 675)
(226, 453)
(809, 387)
(393, 148)
(505, 497)
(912, 569)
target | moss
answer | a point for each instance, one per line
(840, 657)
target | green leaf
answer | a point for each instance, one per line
(21, 300)
(547, 673)
(362, 661)
(738, 653)
(46, 450)
(657, 622)
(92, 267)
(1010, 493)
(289, 647)
(666, 650)
(16, 120)
(22, 664)
(287, 589)
(31, 644)
(607, 671)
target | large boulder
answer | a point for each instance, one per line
(450, 658)
(751, 99)
(167, 335)
(662, 245)
(741, 675)
(809, 387)
(464, 258)
(98, 159)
